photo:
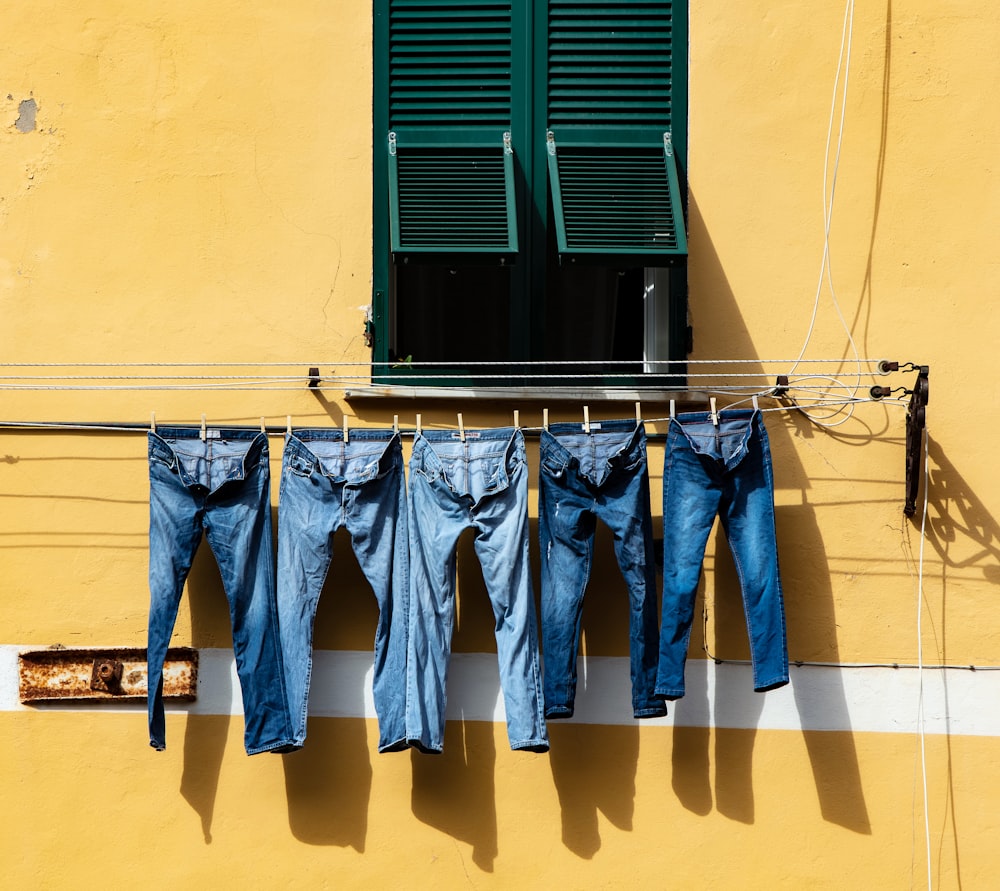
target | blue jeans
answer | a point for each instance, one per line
(482, 484)
(326, 484)
(584, 476)
(722, 469)
(221, 486)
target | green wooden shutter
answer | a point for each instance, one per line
(451, 172)
(612, 173)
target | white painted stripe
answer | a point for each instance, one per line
(844, 698)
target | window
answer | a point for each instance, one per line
(528, 186)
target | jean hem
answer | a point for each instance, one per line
(399, 745)
(289, 745)
(770, 685)
(651, 711)
(424, 748)
(530, 745)
(669, 693)
(559, 711)
(158, 746)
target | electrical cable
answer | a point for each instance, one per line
(920, 655)
(829, 194)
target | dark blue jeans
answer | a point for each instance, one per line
(325, 484)
(722, 469)
(584, 476)
(219, 486)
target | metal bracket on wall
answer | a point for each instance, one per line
(916, 418)
(118, 674)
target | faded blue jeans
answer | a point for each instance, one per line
(220, 486)
(722, 469)
(584, 476)
(326, 484)
(481, 483)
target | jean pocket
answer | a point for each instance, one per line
(161, 456)
(636, 457)
(299, 466)
(553, 465)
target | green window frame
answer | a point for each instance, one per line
(512, 139)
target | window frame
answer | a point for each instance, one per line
(529, 126)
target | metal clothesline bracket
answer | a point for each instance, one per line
(916, 421)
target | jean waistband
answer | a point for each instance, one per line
(333, 434)
(596, 454)
(491, 434)
(615, 426)
(362, 459)
(489, 459)
(726, 439)
(223, 456)
(227, 433)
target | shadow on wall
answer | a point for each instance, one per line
(587, 781)
(346, 616)
(966, 536)
(833, 756)
(205, 735)
(455, 792)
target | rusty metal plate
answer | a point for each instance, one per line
(109, 674)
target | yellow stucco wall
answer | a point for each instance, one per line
(196, 188)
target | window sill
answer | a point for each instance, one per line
(526, 394)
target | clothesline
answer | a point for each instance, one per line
(476, 364)
(275, 430)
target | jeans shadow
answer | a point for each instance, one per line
(586, 780)
(456, 790)
(335, 763)
(812, 634)
(205, 735)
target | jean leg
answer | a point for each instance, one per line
(502, 547)
(747, 515)
(175, 528)
(308, 515)
(378, 525)
(436, 519)
(628, 514)
(691, 498)
(238, 527)
(566, 535)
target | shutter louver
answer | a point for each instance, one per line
(451, 174)
(614, 182)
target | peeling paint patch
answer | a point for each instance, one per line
(26, 112)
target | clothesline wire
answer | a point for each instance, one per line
(354, 378)
(145, 426)
(476, 364)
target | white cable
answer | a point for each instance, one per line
(920, 654)
(829, 193)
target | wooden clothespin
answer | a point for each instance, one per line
(545, 418)
(418, 425)
(288, 425)
(756, 403)
(461, 427)
(152, 421)
(673, 409)
(638, 414)
(715, 412)
(395, 423)
(586, 419)
(517, 419)
(347, 431)
(204, 428)
(263, 426)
